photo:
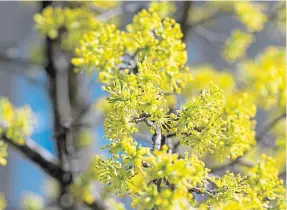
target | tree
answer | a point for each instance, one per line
(202, 152)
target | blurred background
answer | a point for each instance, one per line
(24, 81)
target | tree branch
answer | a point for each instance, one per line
(20, 62)
(184, 20)
(129, 8)
(48, 163)
(269, 126)
(156, 138)
(204, 192)
(42, 158)
(214, 16)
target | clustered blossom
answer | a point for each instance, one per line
(268, 88)
(236, 45)
(16, 124)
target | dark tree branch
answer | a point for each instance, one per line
(184, 19)
(171, 135)
(57, 74)
(282, 175)
(48, 163)
(202, 192)
(42, 158)
(269, 126)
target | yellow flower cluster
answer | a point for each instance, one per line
(132, 96)
(149, 36)
(15, 124)
(2, 202)
(166, 199)
(74, 21)
(265, 78)
(161, 41)
(240, 135)
(265, 182)
(182, 175)
(162, 8)
(236, 45)
(251, 15)
(104, 4)
(209, 122)
(203, 75)
(199, 124)
(101, 50)
(261, 189)
(228, 187)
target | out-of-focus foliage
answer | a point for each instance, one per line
(203, 75)
(3, 153)
(2, 202)
(32, 202)
(265, 78)
(235, 47)
(73, 21)
(16, 124)
(163, 9)
(240, 136)
(253, 16)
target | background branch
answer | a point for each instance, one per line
(42, 158)
(184, 19)
(269, 127)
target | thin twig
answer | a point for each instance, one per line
(42, 158)
(129, 8)
(17, 61)
(156, 138)
(95, 205)
(269, 126)
(214, 16)
(199, 191)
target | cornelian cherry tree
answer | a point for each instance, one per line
(202, 151)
